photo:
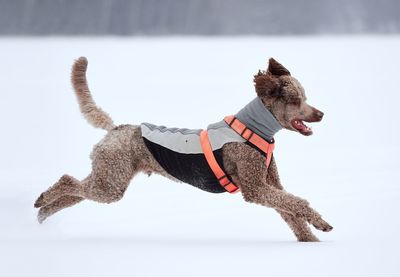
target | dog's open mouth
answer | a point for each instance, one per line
(301, 127)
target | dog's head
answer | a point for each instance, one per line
(284, 96)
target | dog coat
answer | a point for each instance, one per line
(179, 151)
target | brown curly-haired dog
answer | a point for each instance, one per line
(122, 153)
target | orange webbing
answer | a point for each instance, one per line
(252, 137)
(212, 162)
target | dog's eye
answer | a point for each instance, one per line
(294, 101)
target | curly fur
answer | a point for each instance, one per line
(93, 114)
(121, 154)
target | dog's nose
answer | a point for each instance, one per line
(317, 115)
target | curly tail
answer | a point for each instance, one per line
(93, 114)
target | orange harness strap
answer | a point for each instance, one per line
(251, 137)
(245, 133)
(212, 162)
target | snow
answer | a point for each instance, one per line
(348, 170)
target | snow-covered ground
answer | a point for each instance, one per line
(348, 169)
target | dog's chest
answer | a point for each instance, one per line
(180, 153)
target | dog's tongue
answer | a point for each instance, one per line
(300, 126)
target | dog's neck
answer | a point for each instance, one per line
(259, 119)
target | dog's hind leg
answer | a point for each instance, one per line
(68, 191)
(57, 205)
(66, 185)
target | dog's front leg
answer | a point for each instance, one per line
(298, 225)
(296, 206)
(285, 202)
(252, 175)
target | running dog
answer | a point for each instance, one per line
(232, 155)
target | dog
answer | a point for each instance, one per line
(126, 150)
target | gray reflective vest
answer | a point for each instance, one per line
(179, 151)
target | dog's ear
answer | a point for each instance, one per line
(276, 68)
(266, 84)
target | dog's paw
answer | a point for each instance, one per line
(308, 238)
(322, 225)
(41, 216)
(39, 202)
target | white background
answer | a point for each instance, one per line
(348, 170)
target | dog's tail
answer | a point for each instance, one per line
(93, 114)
